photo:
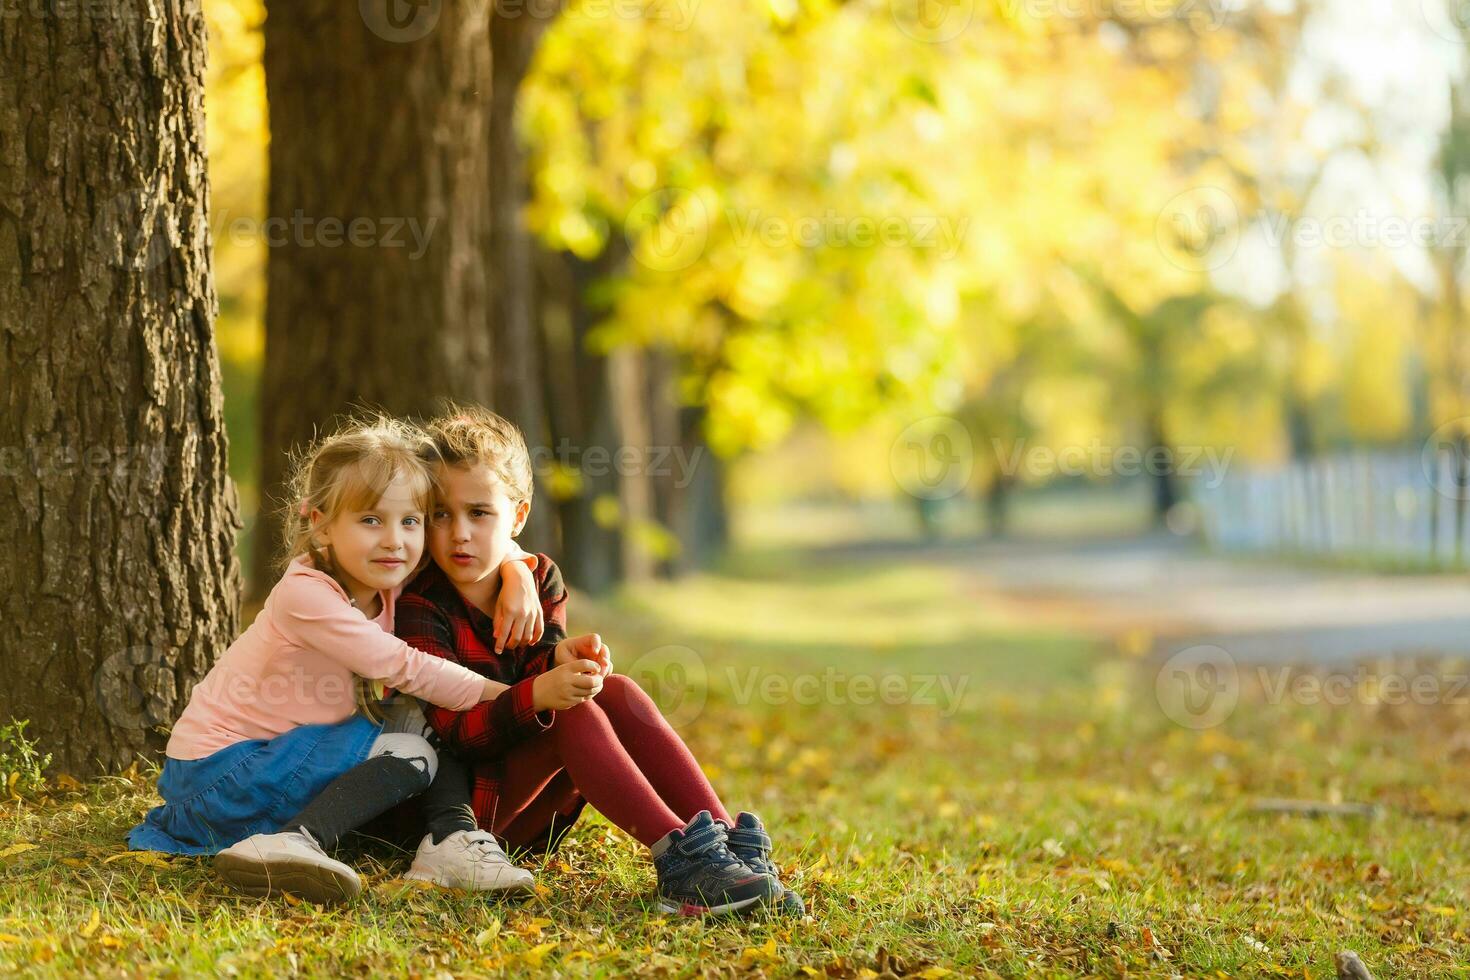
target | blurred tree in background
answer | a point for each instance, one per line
(715, 226)
(732, 252)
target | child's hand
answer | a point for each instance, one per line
(586, 647)
(519, 619)
(566, 686)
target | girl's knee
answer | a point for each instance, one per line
(622, 694)
(624, 691)
(583, 723)
(413, 749)
(620, 684)
(627, 706)
(578, 714)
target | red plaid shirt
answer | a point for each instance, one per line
(434, 617)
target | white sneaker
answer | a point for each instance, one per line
(269, 864)
(468, 859)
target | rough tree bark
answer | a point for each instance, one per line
(117, 515)
(380, 198)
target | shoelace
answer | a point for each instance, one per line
(709, 843)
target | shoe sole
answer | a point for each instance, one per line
(691, 909)
(513, 888)
(313, 882)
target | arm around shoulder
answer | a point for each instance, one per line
(313, 614)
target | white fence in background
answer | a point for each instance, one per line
(1405, 506)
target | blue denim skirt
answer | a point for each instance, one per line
(248, 788)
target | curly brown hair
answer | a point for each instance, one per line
(475, 436)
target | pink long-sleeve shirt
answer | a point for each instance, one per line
(297, 665)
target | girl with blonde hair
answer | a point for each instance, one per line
(281, 750)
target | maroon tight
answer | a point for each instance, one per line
(619, 752)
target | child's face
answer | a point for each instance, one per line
(379, 548)
(473, 522)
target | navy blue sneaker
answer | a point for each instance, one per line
(697, 874)
(752, 845)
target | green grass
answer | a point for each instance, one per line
(1048, 822)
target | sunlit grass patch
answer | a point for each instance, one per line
(1051, 822)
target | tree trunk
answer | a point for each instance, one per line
(117, 515)
(662, 458)
(518, 375)
(628, 381)
(380, 204)
(581, 416)
(1299, 429)
(998, 504)
(700, 517)
(1166, 480)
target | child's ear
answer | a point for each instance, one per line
(523, 510)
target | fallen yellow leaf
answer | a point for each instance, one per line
(753, 954)
(87, 930)
(533, 957)
(15, 849)
(532, 927)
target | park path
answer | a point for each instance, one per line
(1177, 596)
(1168, 595)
